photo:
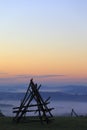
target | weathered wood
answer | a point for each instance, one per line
(73, 113)
(50, 109)
(32, 105)
(39, 97)
(39, 100)
(40, 106)
(47, 99)
(30, 96)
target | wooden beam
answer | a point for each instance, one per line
(32, 110)
(32, 105)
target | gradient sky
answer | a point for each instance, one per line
(42, 37)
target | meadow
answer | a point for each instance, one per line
(59, 123)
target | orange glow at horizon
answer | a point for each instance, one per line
(45, 64)
(43, 38)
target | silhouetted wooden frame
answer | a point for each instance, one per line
(33, 93)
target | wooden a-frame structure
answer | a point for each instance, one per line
(39, 105)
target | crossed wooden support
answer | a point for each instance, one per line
(27, 103)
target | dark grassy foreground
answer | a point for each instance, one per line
(60, 123)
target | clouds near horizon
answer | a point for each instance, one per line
(43, 37)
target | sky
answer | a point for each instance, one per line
(44, 38)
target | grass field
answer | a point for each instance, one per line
(59, 123)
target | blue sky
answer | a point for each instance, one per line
(43, 37)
